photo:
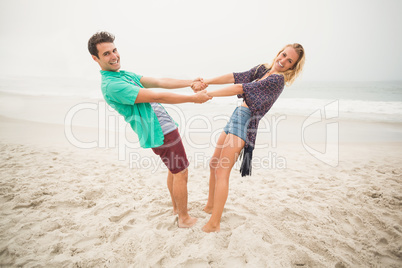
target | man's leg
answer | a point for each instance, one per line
(174, 156)
(180, 196)
(170, 187)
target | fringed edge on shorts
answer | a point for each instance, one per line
(247, 155)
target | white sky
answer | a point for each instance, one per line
(345, 40)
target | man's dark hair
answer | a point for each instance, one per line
(99, 37)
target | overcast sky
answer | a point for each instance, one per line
(345, 40)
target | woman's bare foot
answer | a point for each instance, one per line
(187, 222)
(208, 209)
(208, 228)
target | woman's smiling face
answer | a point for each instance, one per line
(285, 60)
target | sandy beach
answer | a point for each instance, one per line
(107, 205)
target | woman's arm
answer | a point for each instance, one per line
(220, 80)
(227, 91)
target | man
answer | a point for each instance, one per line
(126, 92)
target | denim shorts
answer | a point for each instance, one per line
(238, 122)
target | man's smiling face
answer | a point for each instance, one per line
(109, 58)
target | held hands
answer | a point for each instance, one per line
(198, 84)
(199, 87)
(201, 96)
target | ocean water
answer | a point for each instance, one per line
(378, 101)
(371, 101)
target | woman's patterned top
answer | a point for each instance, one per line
(259, 96)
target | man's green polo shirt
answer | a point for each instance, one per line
(120, 89)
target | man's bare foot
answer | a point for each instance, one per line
(208, 228)
(208, 209)
(187, 222)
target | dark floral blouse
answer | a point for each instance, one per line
(259, 96)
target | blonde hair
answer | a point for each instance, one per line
(291, 74)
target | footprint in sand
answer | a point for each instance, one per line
(301, 259)
(195, 263)
(158, 214)
(382, 241)
(50, 226)
(340, 265)
(234, 220)
(167, 225)
(23, 205)
(106, 207)
(33, 203)
(129, 225)
(267, 238)
(120, 217)
(58, 248)
(93, 194)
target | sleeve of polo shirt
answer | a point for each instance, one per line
(123, 93)
(245, 77)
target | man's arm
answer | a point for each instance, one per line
(146, 95)
(169, 83)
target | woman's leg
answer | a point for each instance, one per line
(229, 154)
(213, 164)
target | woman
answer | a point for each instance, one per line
(259, 88)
